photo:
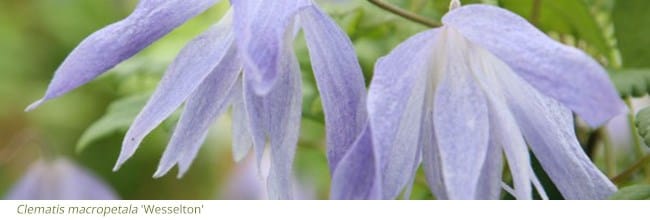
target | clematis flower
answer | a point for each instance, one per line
(245, 61)
(485, 85)
(60, 179)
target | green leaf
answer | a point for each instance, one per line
(631, 82)
(643, 124)
(119, 116)
(571, 17)
(636, 192)
(631, 19)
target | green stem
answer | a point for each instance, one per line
(638, 148)
(631, 170)
(535, 12)
(610, 157)
(405, 14)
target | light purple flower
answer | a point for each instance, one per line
(60, 179)
(247, 61)
(458, 98)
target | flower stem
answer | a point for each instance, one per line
(405, 14)
(597, 137)
(535, 12)
(638, 149)
(631, 170)
(610, 157)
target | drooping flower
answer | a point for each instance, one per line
(60, 179)
(485, 85)
(247, 61)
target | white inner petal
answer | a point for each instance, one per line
(455, 54)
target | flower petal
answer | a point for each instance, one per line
(255, 108)
(276, 116)
(285, 106)
(117, 42)
(339, 79)
(406, 193)
(431, 161)
(395, 105)
(209, 101)
(489, 183)
(241, 137)
(561, 72)
(261, 37)
(460, 120)
(357, 174)
(505, 134)
(192, 65)
(548, 128)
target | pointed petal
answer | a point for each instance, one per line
(548, 128)
(258, 120)
(507, 137)
(504, 129)
(117, 42)
(209, 101)
(431, 161)
(261, 34)
(357, 174)
(561, 72)
(241, 137)
(276, 116)
(461, 121)
(339, 79)
(489, 183)
(192, 65)
(406, 194)
(395, 104)
(461, 126)
(550, 133)
(285, 105)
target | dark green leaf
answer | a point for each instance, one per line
(632, 24)
(643, 124)
(636, 192)
(632, 82)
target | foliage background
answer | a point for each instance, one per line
(88, 124)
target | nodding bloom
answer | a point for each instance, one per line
(247, 61)
(60, 179)
(484, 86)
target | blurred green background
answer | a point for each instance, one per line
(36, 35)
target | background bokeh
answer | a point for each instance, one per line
(88, 124)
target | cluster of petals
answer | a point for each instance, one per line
(245, 61)
(459, 99)
(484, 88)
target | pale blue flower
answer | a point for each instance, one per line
(60, 179)
(458, 98)
(256, 37)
